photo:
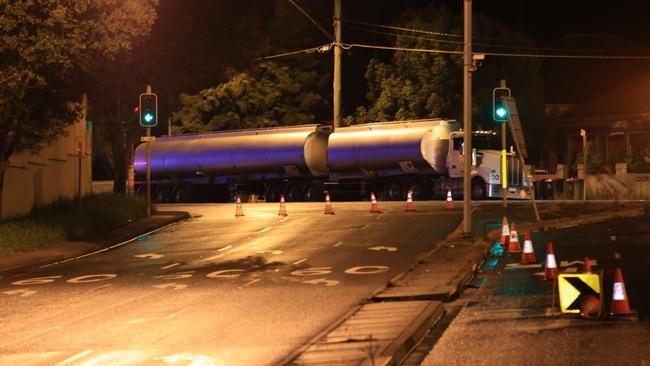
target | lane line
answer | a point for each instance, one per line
(101, 287)
(338, 244)
(170, 266)
(251, 282)
(284, 219)
(300, 261)
(224, 248)
(264, 230)
(69, 360)
(177, 313)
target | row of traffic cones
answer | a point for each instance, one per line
(374, 205)
(620, 304)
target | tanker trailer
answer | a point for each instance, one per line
(212, 166)
(421, 156)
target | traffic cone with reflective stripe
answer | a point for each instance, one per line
(410, 207)
(449, 204)
(239, 209)
(328, 205)
(528, 256)
(505, 232)
(513, 245)
(620, 305)
(550, 267)
(374, 207)
(586, 266)
(283, 208)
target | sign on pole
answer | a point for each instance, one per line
(515, 125)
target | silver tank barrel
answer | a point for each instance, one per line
(290, 151)
(408, 147)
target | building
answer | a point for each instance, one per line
(62, 169)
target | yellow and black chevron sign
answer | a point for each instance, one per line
(573, 287)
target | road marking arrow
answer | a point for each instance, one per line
(173, 285)
(20, 292)
(322, 281)
(149, 256)
(388, 249)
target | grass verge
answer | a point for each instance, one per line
(69, 220)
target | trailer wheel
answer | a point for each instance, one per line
(293, 192)
(274, 192)
(182, 194)
(162, 195)
(394, 190)
(416, 189)
(479, 191)
(313, 192)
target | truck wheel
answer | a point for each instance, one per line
(313, 192)
(274, 192)
(479, 191)
(182, 194)
(416, 189)
(393, 190)
(293, 193)
(162, 195)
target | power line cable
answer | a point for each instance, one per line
(320, 49)
(489, 45)
(326, 33)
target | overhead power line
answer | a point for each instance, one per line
(326, 33)
(414, 30)
(326, 47)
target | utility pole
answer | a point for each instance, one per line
(467, 119)
(337, 63)
(583, 133)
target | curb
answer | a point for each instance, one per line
(105, 245)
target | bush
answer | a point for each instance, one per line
(68, 220)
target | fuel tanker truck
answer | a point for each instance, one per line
(425, 157)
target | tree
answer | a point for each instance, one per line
(421, 85)
(43, 46)
(269, 95)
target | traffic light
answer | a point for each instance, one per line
(500, 111)
(148, 110)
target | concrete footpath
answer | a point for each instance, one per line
(386, 328)
(62, 251)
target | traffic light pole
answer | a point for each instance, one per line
(504, 165)
(148, 165)
(467, 119)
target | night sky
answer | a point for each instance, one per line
(560, 26)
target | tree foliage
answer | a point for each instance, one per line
(268, 95)
(421, 84)
(42, 44)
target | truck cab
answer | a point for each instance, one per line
(486, 166)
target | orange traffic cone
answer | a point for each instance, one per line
(328, 205)
(374, 207)
(550, 267)
(449, 204)
(513, 245)
(505, 232)
(283, 209)
(528, 256)
(620, 305)
(586, 266)
(239, 210)
(410, 207)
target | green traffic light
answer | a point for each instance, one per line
(501, 112)
(148, 117)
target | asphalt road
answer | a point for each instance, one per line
(214, 289)
(515, 310)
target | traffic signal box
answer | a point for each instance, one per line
(500, 111)
(148, 110)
